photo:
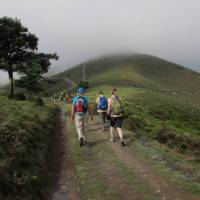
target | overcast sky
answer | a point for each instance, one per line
(82, 29)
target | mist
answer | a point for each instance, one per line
(78, 30)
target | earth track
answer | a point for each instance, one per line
(65, 182)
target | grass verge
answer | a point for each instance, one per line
(25, 134)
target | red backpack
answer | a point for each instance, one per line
(81, 105)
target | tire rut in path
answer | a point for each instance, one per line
(163, 189)
(63, 183)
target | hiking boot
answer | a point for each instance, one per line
(81, 142)
(85, 142)
(122, 143)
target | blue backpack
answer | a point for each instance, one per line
(103, 103)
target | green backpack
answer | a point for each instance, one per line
(117, 106)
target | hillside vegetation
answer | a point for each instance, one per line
(161, 98)
(161, 125)
(150, 112)
(136, 70)
(140, 71)
(26, 131)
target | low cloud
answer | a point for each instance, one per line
(79, 30)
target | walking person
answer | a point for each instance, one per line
(79, 113)
(102, 106)
(115, 113)
(66, 98)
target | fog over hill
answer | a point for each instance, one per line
(81, 30)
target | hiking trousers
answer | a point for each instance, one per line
(81, 122)
(102, 119)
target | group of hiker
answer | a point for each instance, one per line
(63, 96)
(111, 109)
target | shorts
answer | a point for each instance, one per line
(116, 122)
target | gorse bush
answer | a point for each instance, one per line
(25, 134)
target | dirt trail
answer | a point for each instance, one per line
(163, 189)
(63, 181)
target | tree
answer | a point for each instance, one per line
(17, 45)
(31, 82)
(32, 71)
(84, 84)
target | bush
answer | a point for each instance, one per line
(20, 96)
(164, 135)
(39, 101)
(26, 132)
(135, 124)
(180, 142)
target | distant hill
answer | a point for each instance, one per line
(140, 70)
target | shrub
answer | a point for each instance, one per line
(20, 96)
(182, 143)
(39, 101)
(164, 135)
(26, 132)
(135, 124)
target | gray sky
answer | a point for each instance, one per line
(82, 29)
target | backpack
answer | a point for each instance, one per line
(117, 107)
(81, 105)
(103, 103)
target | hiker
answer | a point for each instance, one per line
(115, 113)
(102, 106)
(79, 114)
(66, 98)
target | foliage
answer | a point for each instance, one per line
(18, 53)
(20, 96)
(26, 131)
(32, 78)
(38, 101)
(16, 46)
(149, 112)
(83, 84)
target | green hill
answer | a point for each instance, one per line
(136, 70)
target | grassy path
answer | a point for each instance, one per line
(106, 171)
(101, 174)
